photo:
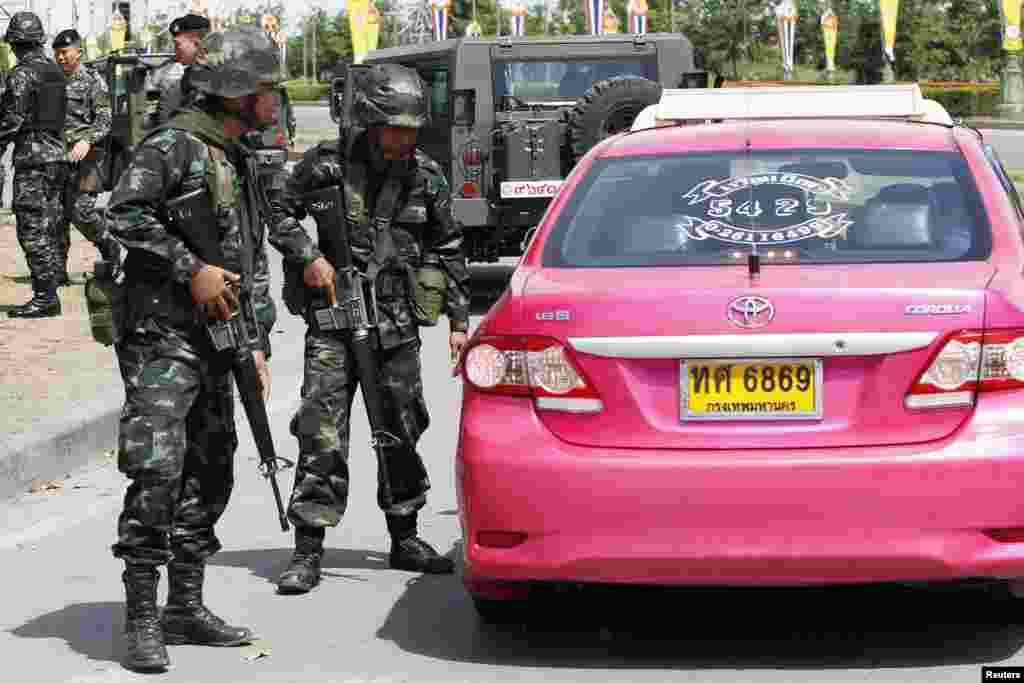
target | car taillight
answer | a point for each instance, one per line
(970, 361)
(539, 367)
(472, 160)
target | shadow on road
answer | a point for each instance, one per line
(89, 628)
(268, 564)
(617, 627)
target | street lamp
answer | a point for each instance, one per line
(1011, 103)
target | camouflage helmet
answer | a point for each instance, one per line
(24, 27)
(389, 95)
(235, 62)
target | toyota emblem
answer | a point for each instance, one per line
(750, 312)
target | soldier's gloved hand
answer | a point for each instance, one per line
(79, 151)
(320, 275)
(263, 368)
(210, 289)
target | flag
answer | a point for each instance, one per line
(440, 10)
(358, 16)
(785, 15)
(1009, 12)
(595, 16)
(518, 21)
(118, 29)
(372, 27)
(638, 16)
(830, 27)
(890, 9)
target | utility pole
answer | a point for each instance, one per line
(305, 50)
(316, 61)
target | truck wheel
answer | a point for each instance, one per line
(609, 107)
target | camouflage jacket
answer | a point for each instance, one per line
(170, 163)
(423, 230)
(165, 82)
(88, 115)
(18, 105)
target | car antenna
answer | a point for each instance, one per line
(753, 258)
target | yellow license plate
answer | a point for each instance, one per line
(750, 389)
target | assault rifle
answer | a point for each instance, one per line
(241, 334)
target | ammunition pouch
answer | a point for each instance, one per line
(430, 295)
(192, 216)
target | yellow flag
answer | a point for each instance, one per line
(830, 27)
(890, 9)
(118, 29)
(1009, 12)
(358, 15)
(372, 27)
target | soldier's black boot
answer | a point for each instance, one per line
(43, 304)
(186, 620)
(303, 572)
(144, 639)
(412, 553)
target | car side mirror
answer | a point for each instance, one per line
(464, 108)
(337, 97)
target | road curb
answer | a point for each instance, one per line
(52, 452)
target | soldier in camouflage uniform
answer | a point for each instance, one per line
(165, 82)
(177, 432)
(390, 106)
(33, 119)
(86, 123)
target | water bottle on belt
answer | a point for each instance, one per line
(102, 295)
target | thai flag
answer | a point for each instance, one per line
(639, 24)
(595, 14)
(441, 22)
(518, 25)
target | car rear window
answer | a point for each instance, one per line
(797, 206)
(563, 79)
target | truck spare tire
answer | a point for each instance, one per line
(609, 107)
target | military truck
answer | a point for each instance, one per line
(510, 117)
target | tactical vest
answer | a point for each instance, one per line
(51, 99)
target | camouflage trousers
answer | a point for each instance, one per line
(37, 212)
(80, 208)
(176, 444)
(320, 493)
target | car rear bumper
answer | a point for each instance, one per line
(770, 517)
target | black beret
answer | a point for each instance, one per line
(67, 38)
(189, 22)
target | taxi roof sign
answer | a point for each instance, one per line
(800, 102)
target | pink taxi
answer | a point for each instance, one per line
(755, 352)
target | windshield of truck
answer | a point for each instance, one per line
(562, 80)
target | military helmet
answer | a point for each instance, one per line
(24, 27)
(235, 62)
(389, 95)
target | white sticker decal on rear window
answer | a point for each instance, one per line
(766, 214)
